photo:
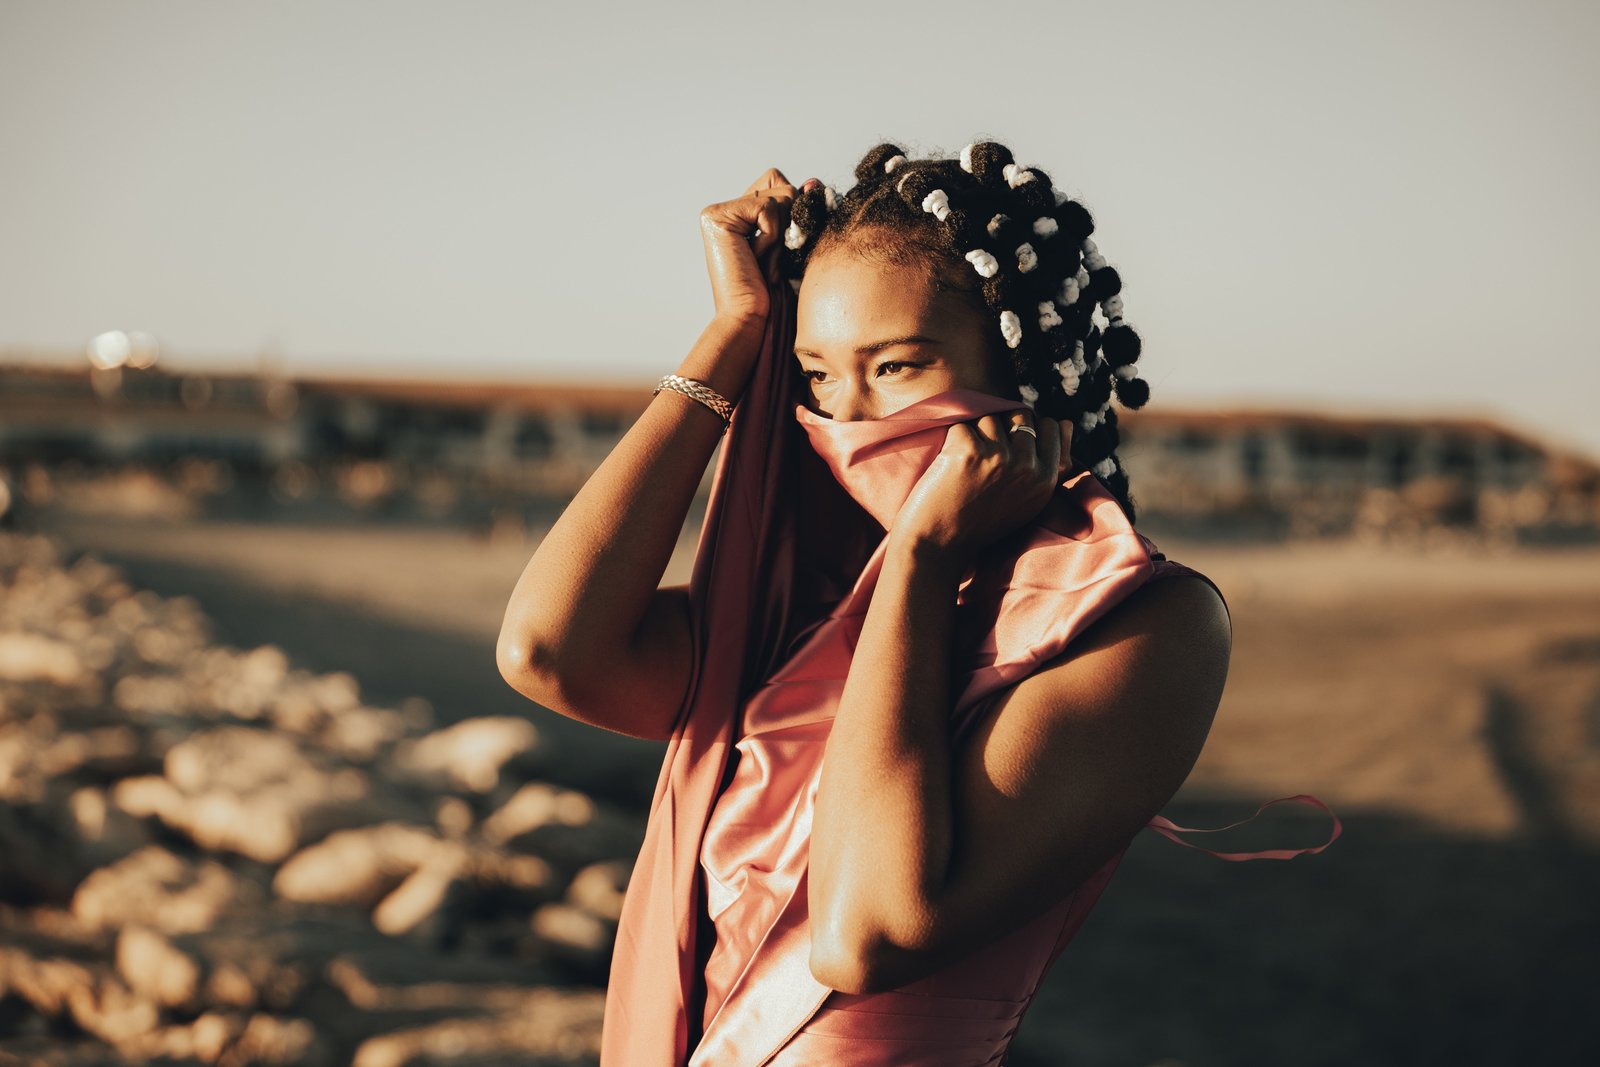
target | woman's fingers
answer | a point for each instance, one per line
(740, 237)
(1046, 449)
(1049, 446)
(771, 218)
(1022, 441)
(771, 177)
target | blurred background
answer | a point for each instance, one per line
(313, 317)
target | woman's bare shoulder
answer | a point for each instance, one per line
(1180, 607)
(1163, 649)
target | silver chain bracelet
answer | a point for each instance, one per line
(700, 391)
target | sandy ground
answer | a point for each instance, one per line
(1445, 704)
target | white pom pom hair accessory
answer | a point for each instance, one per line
(1092, 259)
(1011, 328)
(1045, 226)
(892, 162)
(793, 237)
(995, 224)
(1016, 175)
(1027, 258)
(1069, 376)
(1030, 395)
(983, 262)
(1049, 317)
(1105, 468)
(1091, 419)
(937, 203)
(966, 158)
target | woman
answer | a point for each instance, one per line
(921, 691)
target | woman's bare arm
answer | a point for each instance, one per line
(588, 632)
(921, 854)
(882, 828)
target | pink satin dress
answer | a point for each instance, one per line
(712, 963)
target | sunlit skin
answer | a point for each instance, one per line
(849, 302)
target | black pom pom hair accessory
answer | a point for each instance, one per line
(1039, 272)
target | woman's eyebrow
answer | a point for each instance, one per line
(876, 346)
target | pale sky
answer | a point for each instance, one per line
(1384, 206)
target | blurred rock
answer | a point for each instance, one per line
(599, 888)
(567, 827)
(355, 867)
(577, 936)
(105, 832)
(151, 966)
(469, 755)
(546, 1026)
(424, 893)
(209, 855)
(155, 887)
(27, 657)
(253, 792)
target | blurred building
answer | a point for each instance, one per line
(1318, 474)
(1279, 473)
(538, 437)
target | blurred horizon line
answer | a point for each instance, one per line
(273, 364)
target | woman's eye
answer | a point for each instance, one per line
(892, 366)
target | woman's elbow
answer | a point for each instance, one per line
(529, 665)
(841, 971)
(856, 968)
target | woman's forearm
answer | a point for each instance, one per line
(582, 596)
(882, 827)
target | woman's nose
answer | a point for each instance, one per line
(854, 405)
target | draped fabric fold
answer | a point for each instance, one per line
(789, 552)
(740, 591)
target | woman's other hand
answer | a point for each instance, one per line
(986, 482)
(742, 268)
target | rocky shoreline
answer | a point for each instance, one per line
(208, 855)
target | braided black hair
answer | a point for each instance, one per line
(983, 216)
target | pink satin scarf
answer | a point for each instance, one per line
(789, 552)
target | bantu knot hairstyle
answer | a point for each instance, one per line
(1001, 232)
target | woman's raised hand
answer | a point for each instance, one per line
(991, 477)
(742, 239)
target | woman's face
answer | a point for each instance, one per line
(872, 338)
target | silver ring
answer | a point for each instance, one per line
(1025, 428)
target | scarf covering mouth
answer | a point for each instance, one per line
(878, 461)
(789, 551)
